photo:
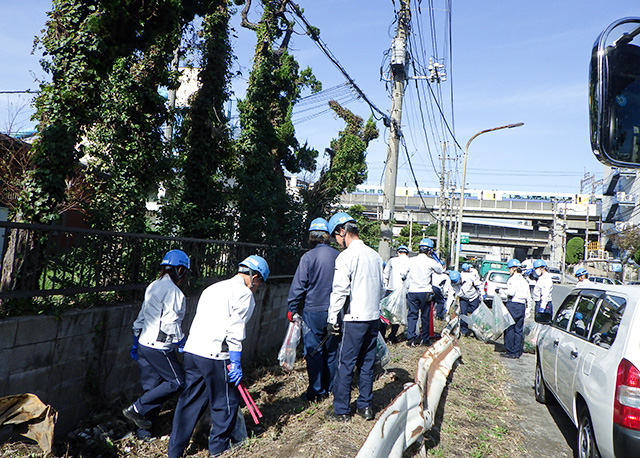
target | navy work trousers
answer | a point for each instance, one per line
(321, 367)
(357, 348)
(418, 303)
(207, 383)
(513, 335)
(161, 376)
(467, 307)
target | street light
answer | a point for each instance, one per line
(464, 178)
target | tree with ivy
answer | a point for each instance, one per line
(347, 166)
(267, 144)
(198, 196)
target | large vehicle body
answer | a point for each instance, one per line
(587, 358)
(486, 266)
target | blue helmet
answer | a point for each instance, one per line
(581, 271)
(539, 263)
(454, 275)
(319, 224)
(403, 249)
(176, 258)
(426, 242)
(337, 220)
(258, 264)
(513, 263)
(465, 267)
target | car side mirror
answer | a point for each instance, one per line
(614, 94)
(543, 318)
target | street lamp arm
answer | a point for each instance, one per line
(464, 178)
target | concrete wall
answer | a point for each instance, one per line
(82, 358)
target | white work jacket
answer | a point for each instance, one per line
(223, 311)
(518, 289)
(358, 279)
(469, 286)
(395, 272)
(542, 290)
(421, 269)
(163, 310)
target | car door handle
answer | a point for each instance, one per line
(556, 342)
(574, 353)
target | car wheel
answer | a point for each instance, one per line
(587, 447)
(543, 395)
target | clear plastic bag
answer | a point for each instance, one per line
(502, 319)
(481, 322)
(287, 353)
(394, 306)
(382, 351)
(530, 335)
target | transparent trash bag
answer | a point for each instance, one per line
(382, 351)
(394, 306)
(481, 322)
(502, 319)
(530, 335)
(287, 353)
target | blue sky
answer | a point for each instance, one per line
(510, 62)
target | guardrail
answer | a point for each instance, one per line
(40, 260)
(413, 411)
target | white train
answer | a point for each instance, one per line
(482, 194)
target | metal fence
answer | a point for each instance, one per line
(40, 260)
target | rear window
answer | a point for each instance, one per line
(607, 320)
(499, 277)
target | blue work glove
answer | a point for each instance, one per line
(435, 256)
(235, 369)
(180, 344)
(134, 348)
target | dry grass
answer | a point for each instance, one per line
(474, 418)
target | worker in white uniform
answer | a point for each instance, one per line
(518, 297)
(395, 274)
(583, 277)
(354, 311)
(469, 295)
(543, 289)
(212, 358)
(157, 333)
(420, 292)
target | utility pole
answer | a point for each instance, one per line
(398, 69)
(441, 202)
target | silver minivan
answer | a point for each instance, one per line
(588, 359)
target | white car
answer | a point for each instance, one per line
(588, 359)
(556, 275)
(495, 279)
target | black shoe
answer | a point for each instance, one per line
(137, 418)
(332, 416)
(413, 342)
(366, 413)
(507, 355)
(426, 343)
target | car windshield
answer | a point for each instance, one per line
(554, 271)
(499, 277)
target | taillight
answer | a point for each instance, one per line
(626, 405)
(486, 283)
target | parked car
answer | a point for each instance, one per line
(588, 360)
(492, 280)
(605, 280)
(556, 275)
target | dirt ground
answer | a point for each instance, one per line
(481, 415)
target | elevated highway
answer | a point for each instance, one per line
(509, 223)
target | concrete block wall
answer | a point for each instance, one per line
(82, 358)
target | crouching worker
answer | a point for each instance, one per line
(157, 333)
(212, 358)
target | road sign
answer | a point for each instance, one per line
(464, 239)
